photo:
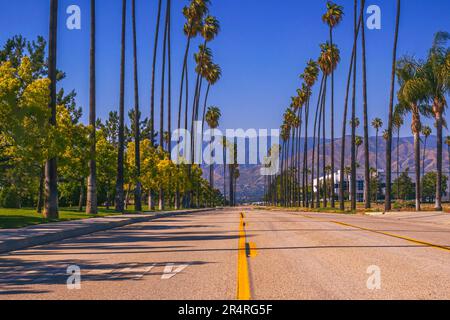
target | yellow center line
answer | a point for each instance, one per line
(429, 244)
(243, 287)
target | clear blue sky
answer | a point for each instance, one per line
(262, 49)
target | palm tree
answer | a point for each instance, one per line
(388, 197)
(426, 132)
(437, 70)
(411, 94)
(328, 61)
(162, 96)
(152, 90)
(377, 124)
(353, 117)
(212, 118)
(91, 203)
(213, 73)
(194, 14)
(51, 172)
(332, 17)
(120, 158)
(366, 119)
(310, 77)
(137, 113)
(314, 143)
(357, 27)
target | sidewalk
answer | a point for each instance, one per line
(17, 239)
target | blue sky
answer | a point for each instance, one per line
(262, 49)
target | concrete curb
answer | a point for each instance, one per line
(82, 230)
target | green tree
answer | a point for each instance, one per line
(405, 185)
(429, 186)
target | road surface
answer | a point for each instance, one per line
(227, 255)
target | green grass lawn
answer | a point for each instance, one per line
(19, 218)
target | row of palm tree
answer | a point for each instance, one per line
(198, 22)
(423, 87)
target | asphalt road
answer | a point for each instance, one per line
(225, 255)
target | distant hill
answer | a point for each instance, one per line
(250, 186)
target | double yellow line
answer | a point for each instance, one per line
(244, 251)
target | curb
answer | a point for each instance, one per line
(20, 244)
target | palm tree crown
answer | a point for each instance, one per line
(334, 14)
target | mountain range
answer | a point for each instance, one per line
(250, 185)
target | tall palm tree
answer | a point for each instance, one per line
(120, 206)
(51, 172)
(310, 77)
(437, 71)
(163, 94)
(366, 118)
(194, 14)
(411, 94)
(91, 203)
(344, 122)
(213, 73)
(332, 17)
(353, 117)
(388, 197)
(319, 99)
(328, 61)
(137, 113)
(152, 90)
(426, 132)
(377, 124)
(212, 118)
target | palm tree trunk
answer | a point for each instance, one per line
(137, 131)
(51, 174)
(41, 190)
(91, 203)
(314, 143)
(417, 164)
(423, 161)
(439, 121)
(305, 158)
(353, 147)
(388, 201)
(80, 203)
(152, 91)
(120, 158)
(398, 164)
(367, 193)
(318, 145)
(324, 155)
(376, 166)
(163, 81)
(344, 122)
(333, 205)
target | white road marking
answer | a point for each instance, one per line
(169, 271)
